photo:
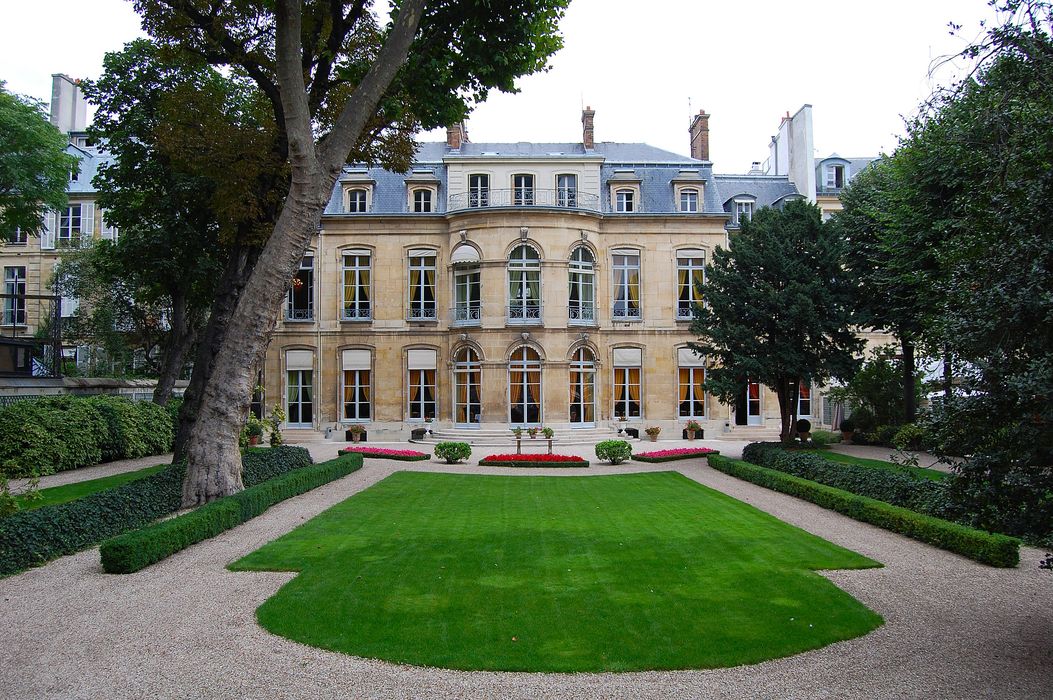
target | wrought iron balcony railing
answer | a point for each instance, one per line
(524, 197)
(528, 312)
(421, 313)
(292, 314)
(625, 312)
(581, 314)
(466, 315)
(361, 312)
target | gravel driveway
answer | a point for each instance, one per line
(185, 628)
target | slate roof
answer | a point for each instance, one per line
(90, 159)
(767, 189)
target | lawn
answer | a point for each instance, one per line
(71, 492)
(931, 474)
(605, 573)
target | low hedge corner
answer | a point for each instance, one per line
(984, 547)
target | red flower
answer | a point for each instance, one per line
(532, 458)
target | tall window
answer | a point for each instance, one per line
(567, 190)
(15, 283)
(524, 285)
(625, 201)
(299, 304)
(422, 201)
(467, 301)
(17, 237)
(835, 176)
(690, 274)
(70, 225)
(627, 365)
(743, 210)
(583, 388)
(356, 291)
(356, 389)
(479, 190)
(626, 285)
(689, 200)
(299, 388)
(582, 287)
(691, 384)
(422, 285)
(804, 400)
(421, 384)
(523, 190)
(467, 408)
(524, 386)
(357, 200)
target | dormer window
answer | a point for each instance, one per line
(357, 200)
(835, 177)
(689, 200)
(743, 210)
(624, 200)
(422, 201)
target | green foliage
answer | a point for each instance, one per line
(33, 537)
(68, 432)
(910, 437)
(138, 549)
(984, 547)
(614, 451)
(778, 308)
(34, 165)
(453, 452)
(900, 488)
(956, 221)
(875, 393)
(822, 438)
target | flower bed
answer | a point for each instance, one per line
(533, 461)
(672, 455)
(382, 453)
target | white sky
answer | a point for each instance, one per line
(860, 64)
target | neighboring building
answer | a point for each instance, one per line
(504, 284)
(28, 262)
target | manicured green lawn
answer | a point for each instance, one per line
(626, 572)
(931, 474)
(71, 492)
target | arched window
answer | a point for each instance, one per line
(689, 200)
(524, 285)
(582, 287)
(583, 389)
(467, 407)
(524, 387)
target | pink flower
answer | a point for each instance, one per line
(680, 452)
(382, 452)
(532, 458)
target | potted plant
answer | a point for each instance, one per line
(518, 432)
(356, 431)
(652, 432)
(276, 418)
(804, 429)
(254, 429)
(848, 430)
(532, 432)
(692, 427)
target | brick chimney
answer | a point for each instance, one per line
(587, 133)
(456, 135)
(699, 131)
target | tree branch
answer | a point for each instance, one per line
(288, 50)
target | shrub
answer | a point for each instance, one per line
(898, 488)
(33, 537)
(847, 426)
(614, 451)
(984, 547)
(135, 550)
(453, 452)
(68, 432)
(822, 438)
(804, 426)
(910, 437)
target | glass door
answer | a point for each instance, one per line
(299, 406)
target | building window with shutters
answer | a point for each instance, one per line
(15, 305)
(691, 381)
(421, 396)
(75, 225)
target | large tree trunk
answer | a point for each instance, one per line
(910, 408)
(786, 392)
(180, 338)
(948, 374)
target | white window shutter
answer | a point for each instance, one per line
(47, 236)
(109, 231)
(69, 306)
(87, 222)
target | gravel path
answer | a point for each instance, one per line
(185, 628)
(74, 476)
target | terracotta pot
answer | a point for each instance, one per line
(354, 437)
(654, 438)
(254, 439)
(847, 435)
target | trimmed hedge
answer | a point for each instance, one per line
(33, 537)
(984, 547)
(138, 549)
(904, 489)
(68, 432)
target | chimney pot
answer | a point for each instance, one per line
(699, 131)
(456, 134)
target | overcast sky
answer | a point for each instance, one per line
(860, 64)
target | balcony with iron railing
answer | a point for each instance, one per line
(360, 312)
(524, 313)
(528, 197)
(581, 315)
(299, 315)
(624, 311)
(466, 315)
(427, 313)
